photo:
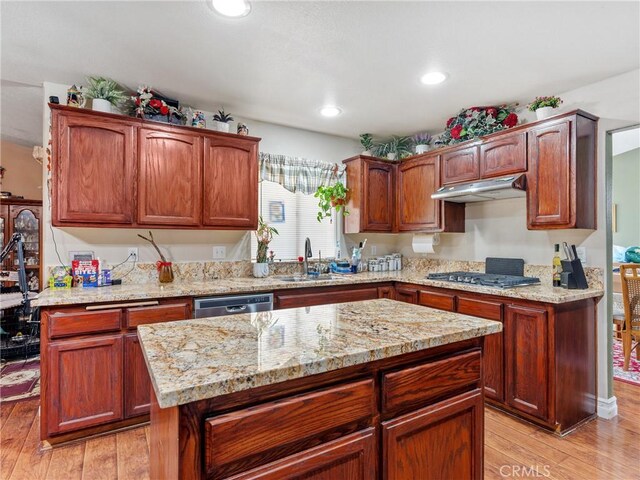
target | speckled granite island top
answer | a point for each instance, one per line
(75, 296)
(198, 359)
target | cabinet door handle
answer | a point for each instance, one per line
(122, 305)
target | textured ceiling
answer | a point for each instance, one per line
(286, 59)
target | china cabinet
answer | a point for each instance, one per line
(23, 216)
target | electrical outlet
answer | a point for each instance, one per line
(374, 249)
(582, 254)
(132, 254)
(219, 252)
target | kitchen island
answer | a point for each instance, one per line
(352, 390)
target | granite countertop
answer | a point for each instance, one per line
(119, 293)
(199, 359)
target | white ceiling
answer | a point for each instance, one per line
(286, 59)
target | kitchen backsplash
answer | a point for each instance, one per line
(145, 272)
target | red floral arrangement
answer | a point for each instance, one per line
(147, 104)
(476, 122)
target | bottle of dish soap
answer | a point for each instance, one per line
(557, 266)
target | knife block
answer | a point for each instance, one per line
(573, 276)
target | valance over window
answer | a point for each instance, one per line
(299, 174)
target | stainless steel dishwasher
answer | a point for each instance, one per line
(219, 306)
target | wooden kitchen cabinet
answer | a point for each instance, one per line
(137, 384)
(493, 344)
(417, 179)
(527, 359)
(504, 155)
(169, 177)
(230, 183)
(371, 184)
(411, 444)
(93, 170)
(94, 376)
(352, 457)
(461, 165)
(561, 191)
(307, 297)
(387, 292)
(437, 299)
(406, 294)
(116, 171)
(84, 383)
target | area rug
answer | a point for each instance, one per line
(630, 376)
(20, 379)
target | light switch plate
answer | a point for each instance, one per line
(582, 254)
(374, 249)
(219, 252)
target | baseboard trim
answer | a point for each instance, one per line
(607, 407)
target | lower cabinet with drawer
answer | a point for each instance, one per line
(93, 374)
(333, 426)
(542, 366)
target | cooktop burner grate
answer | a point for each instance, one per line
(485, 279)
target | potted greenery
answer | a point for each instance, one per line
(334, 196)
(422, 142)
(544, 106)
(395, 148)
(366, 140)
(264, 235)
(104, 92)
(221, 121)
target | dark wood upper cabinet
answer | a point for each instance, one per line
(417, 180)
(115, 171)
(527, 359)
(169, 177)
(371, 184)
(230, 183)
(93, 170)
(504, 155)
(562, 173)
(460, 165)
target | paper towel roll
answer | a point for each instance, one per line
(423, 243)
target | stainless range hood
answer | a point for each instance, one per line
(483, 190)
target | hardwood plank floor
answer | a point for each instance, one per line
(602, 449)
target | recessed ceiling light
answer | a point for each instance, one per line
(231, 8)
(330, 111)
(433, 78)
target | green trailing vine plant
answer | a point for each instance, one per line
(334, 196)
(264, 235)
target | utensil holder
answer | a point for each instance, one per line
(573, 276)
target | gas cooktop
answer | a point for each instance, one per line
(485, 279)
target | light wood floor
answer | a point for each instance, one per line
(602, 449)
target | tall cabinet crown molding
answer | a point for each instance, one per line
(115, 171)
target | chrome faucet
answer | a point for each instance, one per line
(307, 255)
